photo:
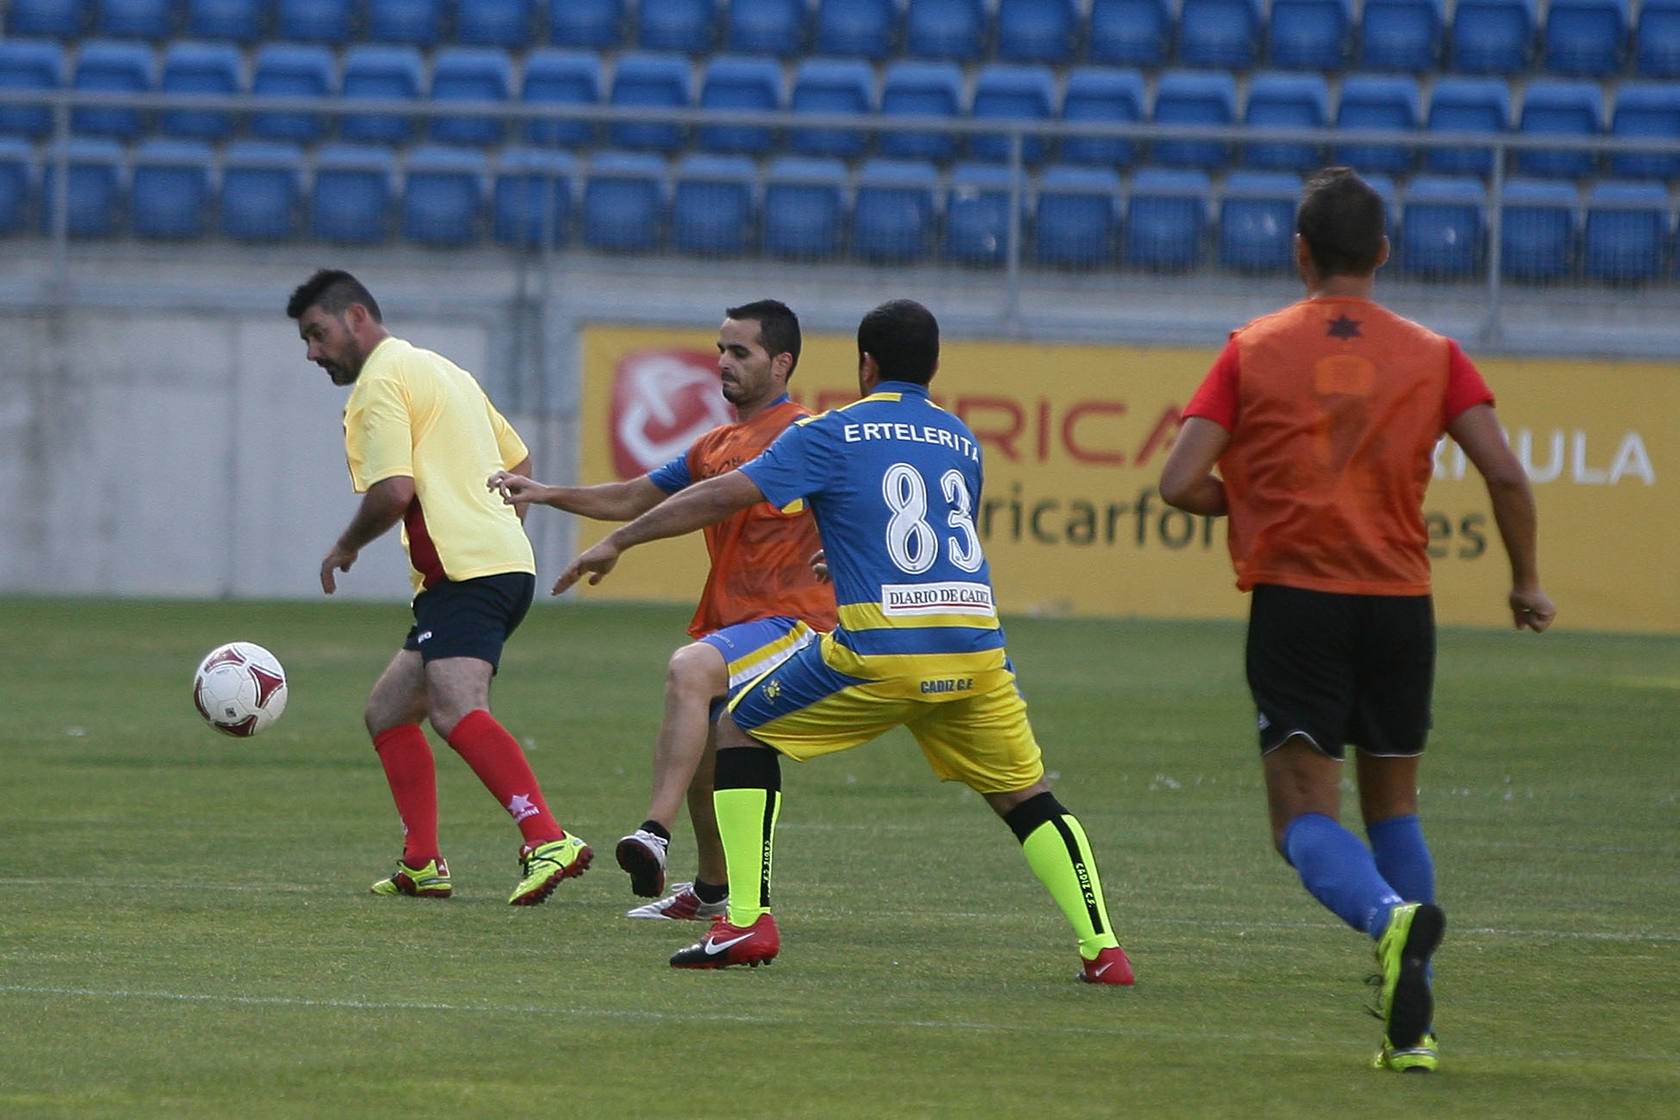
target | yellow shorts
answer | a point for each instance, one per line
(804, 709)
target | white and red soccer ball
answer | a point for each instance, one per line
(240, 689)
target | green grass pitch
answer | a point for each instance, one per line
(185, 929)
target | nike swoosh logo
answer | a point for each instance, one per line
(713, 948)
(1103, 969)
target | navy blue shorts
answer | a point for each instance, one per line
(1342, 669)
(472, 618)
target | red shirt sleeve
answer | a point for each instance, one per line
(1216, 400)
(1465, 387)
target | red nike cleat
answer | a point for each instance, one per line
(725, 945)
(1110, 967)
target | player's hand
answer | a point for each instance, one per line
(819, 565)
(338, 559)
(1531, 608)
(596, 563)
(514, 488)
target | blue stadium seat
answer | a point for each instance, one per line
(1278, 99)
(1222, 33)
(831, 87)
(262, 190)
(1130, 32)
(1310, 34)
(856, 28)
(778, 27)
(1629, 233)
(945, 29)
(1194, 97)
(1404, 35)
(1257, 221)
(1443, 231)
(415, 22)
(624, 202)
(1011, 92)
(713, 205)
(379, 72)
(17, 184)
(1492, 36)
(213, 69)
(1563, 107)
(531, 202)
(354, 194)
(743, 84)
(655, 81)
(1037, 30)
(235, 21)
(1656, 39)
(894, 209)
(94, 188)
(1646, 111)
(64, 19)
(1587, 38)
(315, 21)
(977, 227)
(171, 195)
(1468, 105)
(1075, 215)
(1166, 219)
(291, 70)
(29, 64)
(444, 193)
(112, 66)
(558, 76)
(495, 23)
(1377, 103)
(1537, 229)
(804, 207)
(920, 89)
(677, 25)
(482, 74)
(586, 23)
(1101, 94)
(134, 19)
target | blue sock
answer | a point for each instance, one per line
(1338, 870)
(1403, 857)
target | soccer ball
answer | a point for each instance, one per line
(240, 689)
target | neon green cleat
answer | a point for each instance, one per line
(1404, 1002)
(543, 867)
(430, 881)
(1422, 1058)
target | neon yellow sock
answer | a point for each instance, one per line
(1060, 856)
(747, 826)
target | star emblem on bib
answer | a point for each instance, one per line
(1343, 327)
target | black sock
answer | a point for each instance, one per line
(657, 829)
(709, 892)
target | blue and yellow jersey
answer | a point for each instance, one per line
(893, 481)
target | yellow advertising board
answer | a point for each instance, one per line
(1074, 438)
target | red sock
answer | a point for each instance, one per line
(407, 758)
(499, 761)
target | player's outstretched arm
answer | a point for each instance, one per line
(1477, 431)
(609, 501)
(698, 506)
(382, 507)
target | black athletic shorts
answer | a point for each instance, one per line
(472, 618)
(1341, 669)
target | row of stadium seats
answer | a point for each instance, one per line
(810, 209)
(1571, 37)
(1001, 92)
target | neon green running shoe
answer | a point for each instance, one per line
(430, 881)
(1404, 1002)
(543, 867)
(1422, 1058)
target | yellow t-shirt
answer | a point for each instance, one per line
(415, 413)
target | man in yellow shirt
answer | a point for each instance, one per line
(420, 434)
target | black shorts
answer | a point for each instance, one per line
(472, 618)
(1342, 669)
